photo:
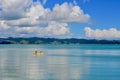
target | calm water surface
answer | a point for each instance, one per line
(60, 62)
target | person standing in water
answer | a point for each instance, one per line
(38, 53)
(35, 53)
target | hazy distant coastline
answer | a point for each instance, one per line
(36, 40)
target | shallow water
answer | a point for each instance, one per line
(60, 62)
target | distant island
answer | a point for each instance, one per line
(36, 40)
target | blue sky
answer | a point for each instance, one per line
(104, 14)
(97, 19)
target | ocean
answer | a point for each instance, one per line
(60, 62)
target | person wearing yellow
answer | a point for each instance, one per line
(38, 53)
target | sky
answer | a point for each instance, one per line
(89, 19)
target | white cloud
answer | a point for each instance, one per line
(62, 13)
(24, 22)
(37, 11)
(27, 18)
(3, 25)
(12, 4)
(55, 29)
(111, 33)
(13, 9)
(69, 13)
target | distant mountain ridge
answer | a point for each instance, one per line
(37, 40)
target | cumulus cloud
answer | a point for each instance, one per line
(13, 9)
(7, 4)
(58, 30)
(62, 13)
(27, 18)
(111, 33)
(69, 13)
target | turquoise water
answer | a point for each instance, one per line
(60, 62)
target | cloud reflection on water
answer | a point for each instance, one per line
(21, 64)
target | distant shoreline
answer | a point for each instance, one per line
(36, 40)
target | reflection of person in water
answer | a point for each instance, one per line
(41, 53)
